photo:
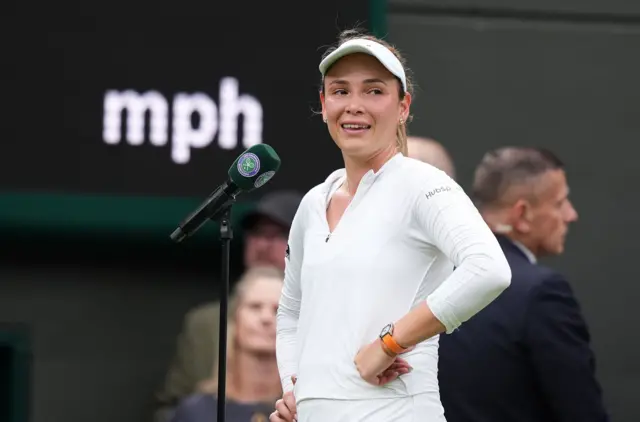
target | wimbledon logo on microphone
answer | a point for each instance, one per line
(264, 178)
(249, 165)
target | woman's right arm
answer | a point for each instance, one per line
(289, 308)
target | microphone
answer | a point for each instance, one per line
(252, 169)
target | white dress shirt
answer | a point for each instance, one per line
(526, 251)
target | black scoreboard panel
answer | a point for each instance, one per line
(155, 98)
(123, 107)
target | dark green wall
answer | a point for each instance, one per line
(496, 74)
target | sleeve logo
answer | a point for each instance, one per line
(436, 191)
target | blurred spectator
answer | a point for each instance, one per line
(266, 230)
(432, 152)
(253, 382)
(526, 357)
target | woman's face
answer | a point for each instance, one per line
(256, 316)
(362, 106)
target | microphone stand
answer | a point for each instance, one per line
(226, 235)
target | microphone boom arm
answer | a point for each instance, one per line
(222, 199)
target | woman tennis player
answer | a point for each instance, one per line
(370, 279)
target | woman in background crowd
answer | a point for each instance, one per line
(253, 383)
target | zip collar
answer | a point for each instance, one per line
(336, 178)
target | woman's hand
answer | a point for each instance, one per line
(377, 367)
(285, 407)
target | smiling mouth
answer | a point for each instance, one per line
(350, 126)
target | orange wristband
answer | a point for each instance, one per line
(386, 349)
(392, 345)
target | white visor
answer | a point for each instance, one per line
(361, 45)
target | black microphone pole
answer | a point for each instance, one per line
(226, 235)
(223, 198)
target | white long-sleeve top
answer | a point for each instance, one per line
(396, 245)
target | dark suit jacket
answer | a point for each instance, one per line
(525, 357)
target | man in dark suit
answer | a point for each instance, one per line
(526, 357)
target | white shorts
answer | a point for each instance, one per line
(418, 408)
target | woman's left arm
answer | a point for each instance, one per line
(445, 216)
